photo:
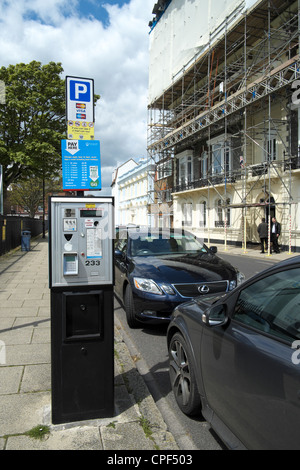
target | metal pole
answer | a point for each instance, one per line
(269, 233)
(244, 180)
(225, 143)
(269, 148)
(245, 231)
(290, 235)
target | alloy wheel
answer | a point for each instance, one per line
(180, 373)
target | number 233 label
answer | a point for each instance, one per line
(92, 262)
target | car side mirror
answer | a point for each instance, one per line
(215, 316)
(214, 249)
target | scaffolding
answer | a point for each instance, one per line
(241, 77)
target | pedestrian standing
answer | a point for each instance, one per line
(275, 234)
(263, 234)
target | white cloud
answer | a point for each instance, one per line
(116, 56)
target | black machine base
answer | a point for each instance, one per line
(82, 353)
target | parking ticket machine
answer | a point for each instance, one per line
(81, 279)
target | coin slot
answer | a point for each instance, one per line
(68, 236)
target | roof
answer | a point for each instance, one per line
(158, 10)
(255, 23)
(116, 171)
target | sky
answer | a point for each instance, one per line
(107, 40)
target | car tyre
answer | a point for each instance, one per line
(129, 308)
(182, 376)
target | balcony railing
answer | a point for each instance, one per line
(293, 163)
(252, 171)
(204, 182)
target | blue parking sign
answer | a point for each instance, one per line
(80, 100)
(80, 91)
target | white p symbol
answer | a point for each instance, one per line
(80, 89)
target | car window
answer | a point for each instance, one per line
(272, 305)
(146, 245)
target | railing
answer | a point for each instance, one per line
(11, 228)
(208, 181)
(292, 163)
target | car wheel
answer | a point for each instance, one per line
(129, 309)
(182, 376)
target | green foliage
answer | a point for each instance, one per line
(32, 120)
(30, 193)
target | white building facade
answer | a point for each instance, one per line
(117, 174)
(224, 108)
(131, 194)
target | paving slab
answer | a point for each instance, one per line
(25, 374)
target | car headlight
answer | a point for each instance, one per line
(146, 285)
(168, 289)
(240, 278)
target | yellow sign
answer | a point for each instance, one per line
(81, 130)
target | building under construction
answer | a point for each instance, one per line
(224, 120)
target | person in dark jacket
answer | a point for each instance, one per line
(275, 234)
(263, 234)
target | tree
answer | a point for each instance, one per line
(30, 194)
(32, 121)
(27, 194)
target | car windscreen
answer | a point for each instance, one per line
(155, 245)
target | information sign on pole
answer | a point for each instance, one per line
(81, 165)
(80, 108)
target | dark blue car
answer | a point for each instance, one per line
(236, 358)
(157, 270)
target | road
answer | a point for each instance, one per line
(149, 345)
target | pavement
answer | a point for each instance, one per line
(253, 251)
(25, 370)
(25, 374)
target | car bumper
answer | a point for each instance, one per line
(156, 308)
(153, 308)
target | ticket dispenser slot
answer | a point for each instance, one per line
(81, 279)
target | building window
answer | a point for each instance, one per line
(187, 214)
(164, 169)
(221, 155)
(221, 158)
(217, 158)
(270, 148)
(223, 213)
(219, 214)
(204, 165)
(203, 214)
(186, 170)
(168, 195)
(228, 213)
